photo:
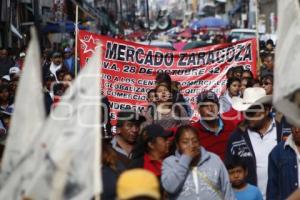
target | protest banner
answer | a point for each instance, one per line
(129, 69)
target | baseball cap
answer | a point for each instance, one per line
(155, 130)
(22, 55)
(137, 183)
(6, 77)
(14, 70)
(207, 96)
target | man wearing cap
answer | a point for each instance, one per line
(55, 65)
(128, 127)
(214, 131)
(259, 134)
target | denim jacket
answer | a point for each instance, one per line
(282, 172)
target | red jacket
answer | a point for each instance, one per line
(212, 142)
(152, 165)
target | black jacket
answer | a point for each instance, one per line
(137, 163)
(239, 147)
(109, 178)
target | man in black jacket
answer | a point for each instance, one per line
(260, 133)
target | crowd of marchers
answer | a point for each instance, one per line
(241, 147)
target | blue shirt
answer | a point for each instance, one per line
(69, 61)
(249, 193)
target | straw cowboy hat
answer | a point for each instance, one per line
(252, 96)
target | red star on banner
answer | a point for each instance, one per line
(89, 44)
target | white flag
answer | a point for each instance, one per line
(287, 59)
(72, 131)
(29, 110)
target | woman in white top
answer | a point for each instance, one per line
(233, 89)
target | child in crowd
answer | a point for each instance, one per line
(237, 174)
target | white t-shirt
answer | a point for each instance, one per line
(262, 146)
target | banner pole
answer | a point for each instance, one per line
(76, 42)
(98, 146)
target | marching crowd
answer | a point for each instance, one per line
(241, 148)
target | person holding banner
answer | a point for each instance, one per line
(166, 113)
(177, 97)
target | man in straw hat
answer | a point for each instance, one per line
(259, 134)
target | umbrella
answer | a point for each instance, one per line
(195, 44)
(209, 22)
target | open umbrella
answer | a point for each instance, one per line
(209, 22)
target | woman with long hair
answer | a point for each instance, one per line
(194, 173)
(151, 149)
(166, 113)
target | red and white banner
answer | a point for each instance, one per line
(129, 69)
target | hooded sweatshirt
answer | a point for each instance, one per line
(208, 180)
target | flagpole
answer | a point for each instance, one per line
(98, 141)
(76, 41)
